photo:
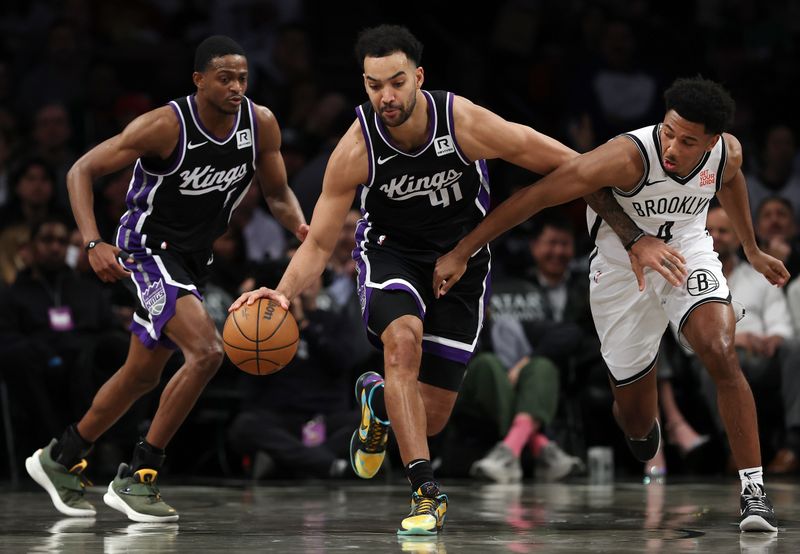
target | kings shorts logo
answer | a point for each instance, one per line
(154, 298)
(701, 281)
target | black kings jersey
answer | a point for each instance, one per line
(427, 199)
(185, 202)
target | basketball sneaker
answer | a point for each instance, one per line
(136, 495)
(645, 449)
(66, 487)
(757, 511)
(368, 443)
(428, 511)
(499, 465)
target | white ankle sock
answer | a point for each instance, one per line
(754, 474)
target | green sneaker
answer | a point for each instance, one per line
(136, 495)
(66, 487)
(428, 511)
(368, 443)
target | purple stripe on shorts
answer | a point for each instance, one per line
(156, 296)
(446, 352)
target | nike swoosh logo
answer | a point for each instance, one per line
(648, 183)
(415, 463)
(382, 161)
(191, 146)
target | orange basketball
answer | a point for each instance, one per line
(260, 338)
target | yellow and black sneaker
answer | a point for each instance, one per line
(428, 511)
(368, 444)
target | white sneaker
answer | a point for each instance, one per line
(553, 464)
(499, 465)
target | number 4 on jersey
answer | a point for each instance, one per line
(665, 231)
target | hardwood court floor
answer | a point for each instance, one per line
(362, 517)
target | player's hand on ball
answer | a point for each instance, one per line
(263, 292)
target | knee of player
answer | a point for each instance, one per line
(401, 344)
(207, 357)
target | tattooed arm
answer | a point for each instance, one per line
(643, 250)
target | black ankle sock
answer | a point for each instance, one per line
(419, 471)
(145, 455)
(70, 448)
(377, 403)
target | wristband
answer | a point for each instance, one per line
(92, 243)
(634, 240)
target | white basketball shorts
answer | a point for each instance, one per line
(630, 323)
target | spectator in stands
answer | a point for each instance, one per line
(508, 385)
(51, 140)
(776, 231)
(777, 172)
(32, 198)
(57, 338)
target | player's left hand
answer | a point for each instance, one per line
(771, 268)
(449, 269)
(302, 232)
(654, 253)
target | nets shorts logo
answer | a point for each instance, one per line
(154, 298)
(701, 281)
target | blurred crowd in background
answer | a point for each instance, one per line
(73, 73)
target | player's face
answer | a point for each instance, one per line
(683, 143)
(392, 83)
(719, 227)
(224, 82)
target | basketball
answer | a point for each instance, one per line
(261, 338)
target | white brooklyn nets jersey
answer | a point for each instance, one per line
(662, 204)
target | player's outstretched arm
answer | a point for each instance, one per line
(347, 168)
(152, 134)
(485, 135)
(733, 198)
(607, 165)
(271, 173)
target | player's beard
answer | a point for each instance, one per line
(405, 113)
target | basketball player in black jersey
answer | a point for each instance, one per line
(416, 161)
(665, 176)
(194, 161)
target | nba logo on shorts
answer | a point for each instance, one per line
(243, 139)
(700, 282)
(444, 145)
(155, 298)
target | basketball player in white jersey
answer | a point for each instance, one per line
(664, 177)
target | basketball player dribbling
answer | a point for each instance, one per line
(417, 160)
(664, 177)
(194, 161)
